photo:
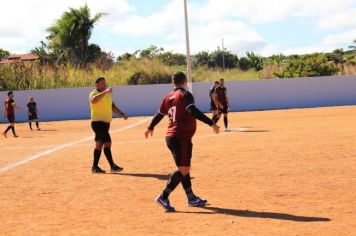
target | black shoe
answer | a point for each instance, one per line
(97, 170)
(116, 169)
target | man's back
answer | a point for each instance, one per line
(181, 123)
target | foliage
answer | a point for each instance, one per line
(255, 60)
(4, 53)
(69, 36)
(244, 63)
(308, 66)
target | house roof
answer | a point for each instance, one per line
(23, 57)
(19, 58)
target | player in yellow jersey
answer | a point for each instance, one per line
(102, 108)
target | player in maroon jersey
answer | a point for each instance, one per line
(223, 103)
(182, 113)
(9, 112)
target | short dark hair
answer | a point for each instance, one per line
(222, 79)
(179, 78)
(217, 82)
(99, 79)
(9, 93)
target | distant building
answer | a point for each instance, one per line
(19, 58)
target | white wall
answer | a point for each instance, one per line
(62, 104)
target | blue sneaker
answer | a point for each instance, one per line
(197, 202)
(164, 203)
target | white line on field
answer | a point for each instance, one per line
(60, 147)
(114, 142)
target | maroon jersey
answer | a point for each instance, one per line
(9, 105)
(221, 95)
(181, 123)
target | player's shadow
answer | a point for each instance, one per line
(155, 176)
(256, 214)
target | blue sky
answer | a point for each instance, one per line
(267, 27)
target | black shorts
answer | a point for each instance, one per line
(101, 130)
(11, 119)
(181, 150)
(34, 116)
(212, 106)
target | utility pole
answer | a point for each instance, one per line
(189, 59)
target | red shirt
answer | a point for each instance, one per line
(181, 123)
(9, 105)
(221, 95)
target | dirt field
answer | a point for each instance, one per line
(289, 172)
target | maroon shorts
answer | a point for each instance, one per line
(181, 150)
(11, 118)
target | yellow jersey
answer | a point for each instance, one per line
(102, 110)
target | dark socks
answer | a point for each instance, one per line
(8, 128)
(13, 130)
(37, 125)
(187, 185)
(226, 122)
(172, 183)
(30, 124)
(97, 154)
(107, 152)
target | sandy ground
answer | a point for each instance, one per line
(288, 172)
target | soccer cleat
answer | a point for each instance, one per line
(97, 170)
(164, 203)
(197, 202)
(116, 169)
(38, 129)
(16, 136)
(227, 130)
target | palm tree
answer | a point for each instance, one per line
(71, 33)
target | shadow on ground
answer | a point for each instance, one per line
(256, 214)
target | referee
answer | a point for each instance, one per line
(102, 107)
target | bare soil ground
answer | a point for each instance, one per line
(287, 172)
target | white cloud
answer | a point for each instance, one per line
(341, 38)
(343, 19)
(24, 23)
(257, 11)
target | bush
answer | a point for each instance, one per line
(308, 67)
(244, 63)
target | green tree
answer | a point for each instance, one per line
(256, 60)
(202, 58)
(150, 52)
(244, 63)
(310, 66)
(70, 35)
(4, 53)
(277, 59)
(336, 56)
(219, 56)
(172, 59)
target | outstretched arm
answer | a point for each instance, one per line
(155, 121)
(197, 114)
(117, 111)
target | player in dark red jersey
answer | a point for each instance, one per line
(213, 102)
(9, 112)
(182, 113)
(223, 103)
